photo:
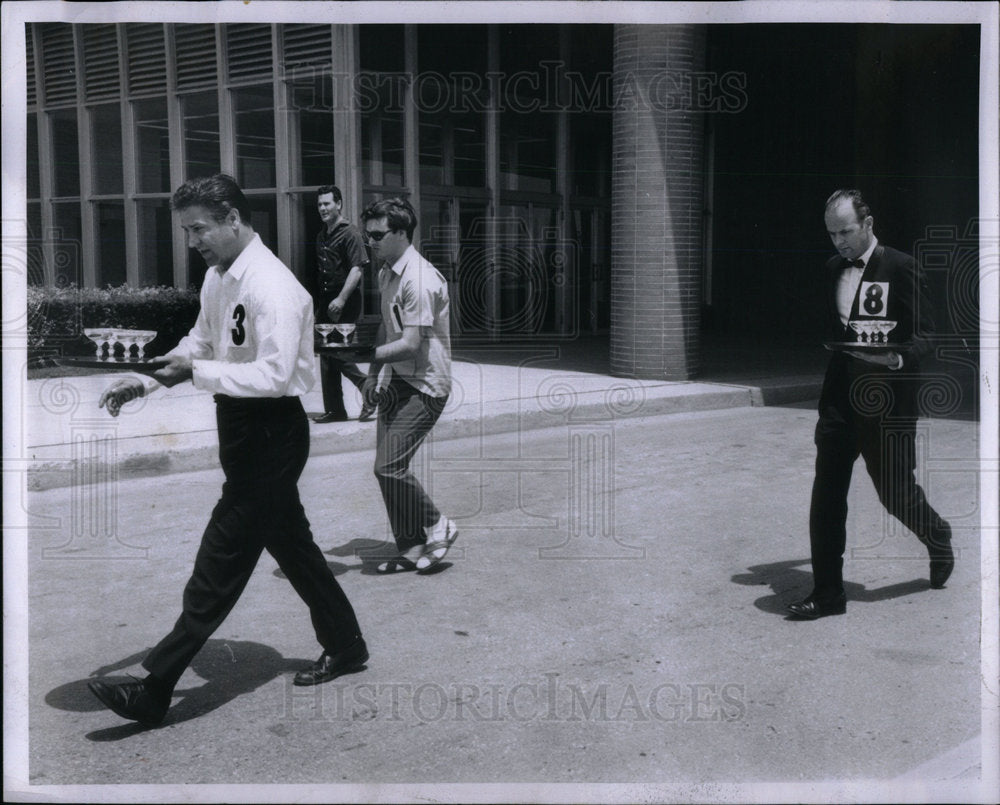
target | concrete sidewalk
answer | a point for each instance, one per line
(496, 389)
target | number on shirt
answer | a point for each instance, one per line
(239, 332)
(875, 297)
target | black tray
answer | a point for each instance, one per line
(860, 346)
(332, 349)
(112, 365)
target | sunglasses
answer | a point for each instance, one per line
(377, 235)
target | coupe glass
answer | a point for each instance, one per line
(137, 339)
(102, 338)
(324, 331)
(346, 332)
(882, 330)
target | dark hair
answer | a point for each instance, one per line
(398, 214)
(861, 208)
(333, 190)
(218, 194)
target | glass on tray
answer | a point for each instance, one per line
(107, 339)
(872, 331)
(324, 330)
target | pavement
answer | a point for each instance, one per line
(496, 389)
(609, 627)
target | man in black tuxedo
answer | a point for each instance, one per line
(868, 403)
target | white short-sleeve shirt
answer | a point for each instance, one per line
(414, 293)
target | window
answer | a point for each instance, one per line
(451, 97)
(311, 123)
(528, 115)
(65, 152)
(200, 113)
(110, 222)
(155, 230)
(152, 146)
(253, 111)
(381, 86)
(106, 144)
(67, 239)
(31, 144)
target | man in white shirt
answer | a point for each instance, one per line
(252, 347)
(414, 343)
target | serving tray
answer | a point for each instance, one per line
(112, 365)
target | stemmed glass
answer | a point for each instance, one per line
(103, 338)
(882, 330)
(872, 331)
(137, 339)
(346, 332)
(324, 331)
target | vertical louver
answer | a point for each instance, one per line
(100, 56)
(59, 62)
(249, 51)
(306, 45)
(147, 58)
(29, 49)
(196, 63)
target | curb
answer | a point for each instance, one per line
(615, 404)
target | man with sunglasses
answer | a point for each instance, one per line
(414, 344)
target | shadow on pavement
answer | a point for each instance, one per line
(230, 668)
(354, 550)
(785, 576)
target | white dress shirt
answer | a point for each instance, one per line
(847, 285)
(254, 333)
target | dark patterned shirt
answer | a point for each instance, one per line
(337, 252)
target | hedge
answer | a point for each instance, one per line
(57, 316)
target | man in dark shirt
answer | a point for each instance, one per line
(340, 259)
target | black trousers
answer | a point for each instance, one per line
(331, 368)
(263, 446)
(889, 450)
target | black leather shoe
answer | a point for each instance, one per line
(322, 419)
(330, 666)
(130, 700)
(942, 563)
(812, 608)
(367, 413)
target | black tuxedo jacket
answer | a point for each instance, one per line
(891, 288)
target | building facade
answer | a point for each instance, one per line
(510, 175)
(650, 183)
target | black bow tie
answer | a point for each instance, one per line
(859, 263)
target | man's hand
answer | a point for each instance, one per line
(369, 391)
(890, 359)
(176, 370)
(123, 391)
(334, 309)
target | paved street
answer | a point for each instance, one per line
(613, 612)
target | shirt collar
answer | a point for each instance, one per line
(868, 252)
(399, 266)
(341, 223)
(242, 262)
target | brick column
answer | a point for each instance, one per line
(656, 211)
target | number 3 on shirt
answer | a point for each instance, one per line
(239, 331)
